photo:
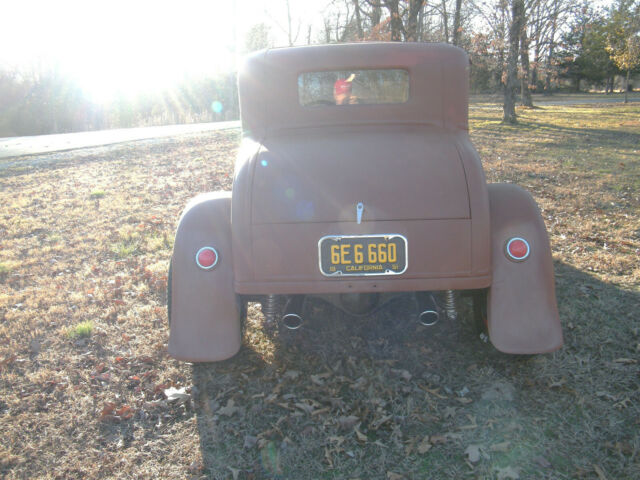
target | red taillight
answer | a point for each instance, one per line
(517, 249)
(207, 258)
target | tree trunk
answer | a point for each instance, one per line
(356, 5)
(445, 21)
(626, 87)
(552, 38)
(456, 24)
(525, 93)
(411, 30)
(289, 31)
(395, 21)
(376, 15)
(517, 20)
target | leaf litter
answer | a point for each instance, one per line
(345, 397)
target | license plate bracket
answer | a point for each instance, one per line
(362, 255)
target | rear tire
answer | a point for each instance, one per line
(169, 292)
(480, 311)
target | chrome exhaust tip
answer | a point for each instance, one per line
(428, 318)
(291, 318)
(428, 314)
(292, 321)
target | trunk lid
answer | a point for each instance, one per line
(398, 173)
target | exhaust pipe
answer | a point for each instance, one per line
(292, 318)
(427, 310)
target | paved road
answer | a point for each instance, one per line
(18, 146)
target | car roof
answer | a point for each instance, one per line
(438, 86)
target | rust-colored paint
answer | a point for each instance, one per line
(205, 320)
(302, 172)
(522, 308)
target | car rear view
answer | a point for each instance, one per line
(356, 179)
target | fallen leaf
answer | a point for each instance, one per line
(176, 394)
(450, 412)
(437, 439)
(125, 412)
(359, 435)
(626, 361)
(249, 441)
(305, 407)
(394, 476)
(404, 374)
(381, 421)
(500, 447)
(424, 445)
(229, 409)
(7, 360)
(234, 472)
(319, 379)
(543, 462)
(600, 472)
(473, 453)
(321, 411)
(347, 423)
(557, 383)
(108, 409)
(508, 473)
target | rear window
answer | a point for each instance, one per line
(353, 87)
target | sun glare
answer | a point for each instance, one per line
(121, 48)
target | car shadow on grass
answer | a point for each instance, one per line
(348, 397)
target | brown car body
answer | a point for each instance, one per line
(300, 175)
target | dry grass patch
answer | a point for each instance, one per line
(377, 397)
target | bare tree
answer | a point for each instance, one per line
(525, 93)
(515, 28)
(456, 23)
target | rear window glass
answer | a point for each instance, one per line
(353, 87)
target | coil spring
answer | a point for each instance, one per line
(450, 305)
(270, 308)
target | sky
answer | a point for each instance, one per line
(112, 47)
(130, 46)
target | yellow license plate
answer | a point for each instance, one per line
(384, 254)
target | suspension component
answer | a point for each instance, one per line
(270, 308)
(450, 305)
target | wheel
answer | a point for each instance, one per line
(242, 308)
(169, 292)
(479, 299)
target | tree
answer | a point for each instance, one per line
(515, 28)
(624, 38)
(583, 51)
(258, 37)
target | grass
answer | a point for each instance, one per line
(96, 194)
(341, 397)
(81, 330)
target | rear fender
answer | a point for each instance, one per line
(205, 319)
(522, 312)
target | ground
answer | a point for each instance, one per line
(87, 389)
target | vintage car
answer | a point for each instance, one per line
(356, 180)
